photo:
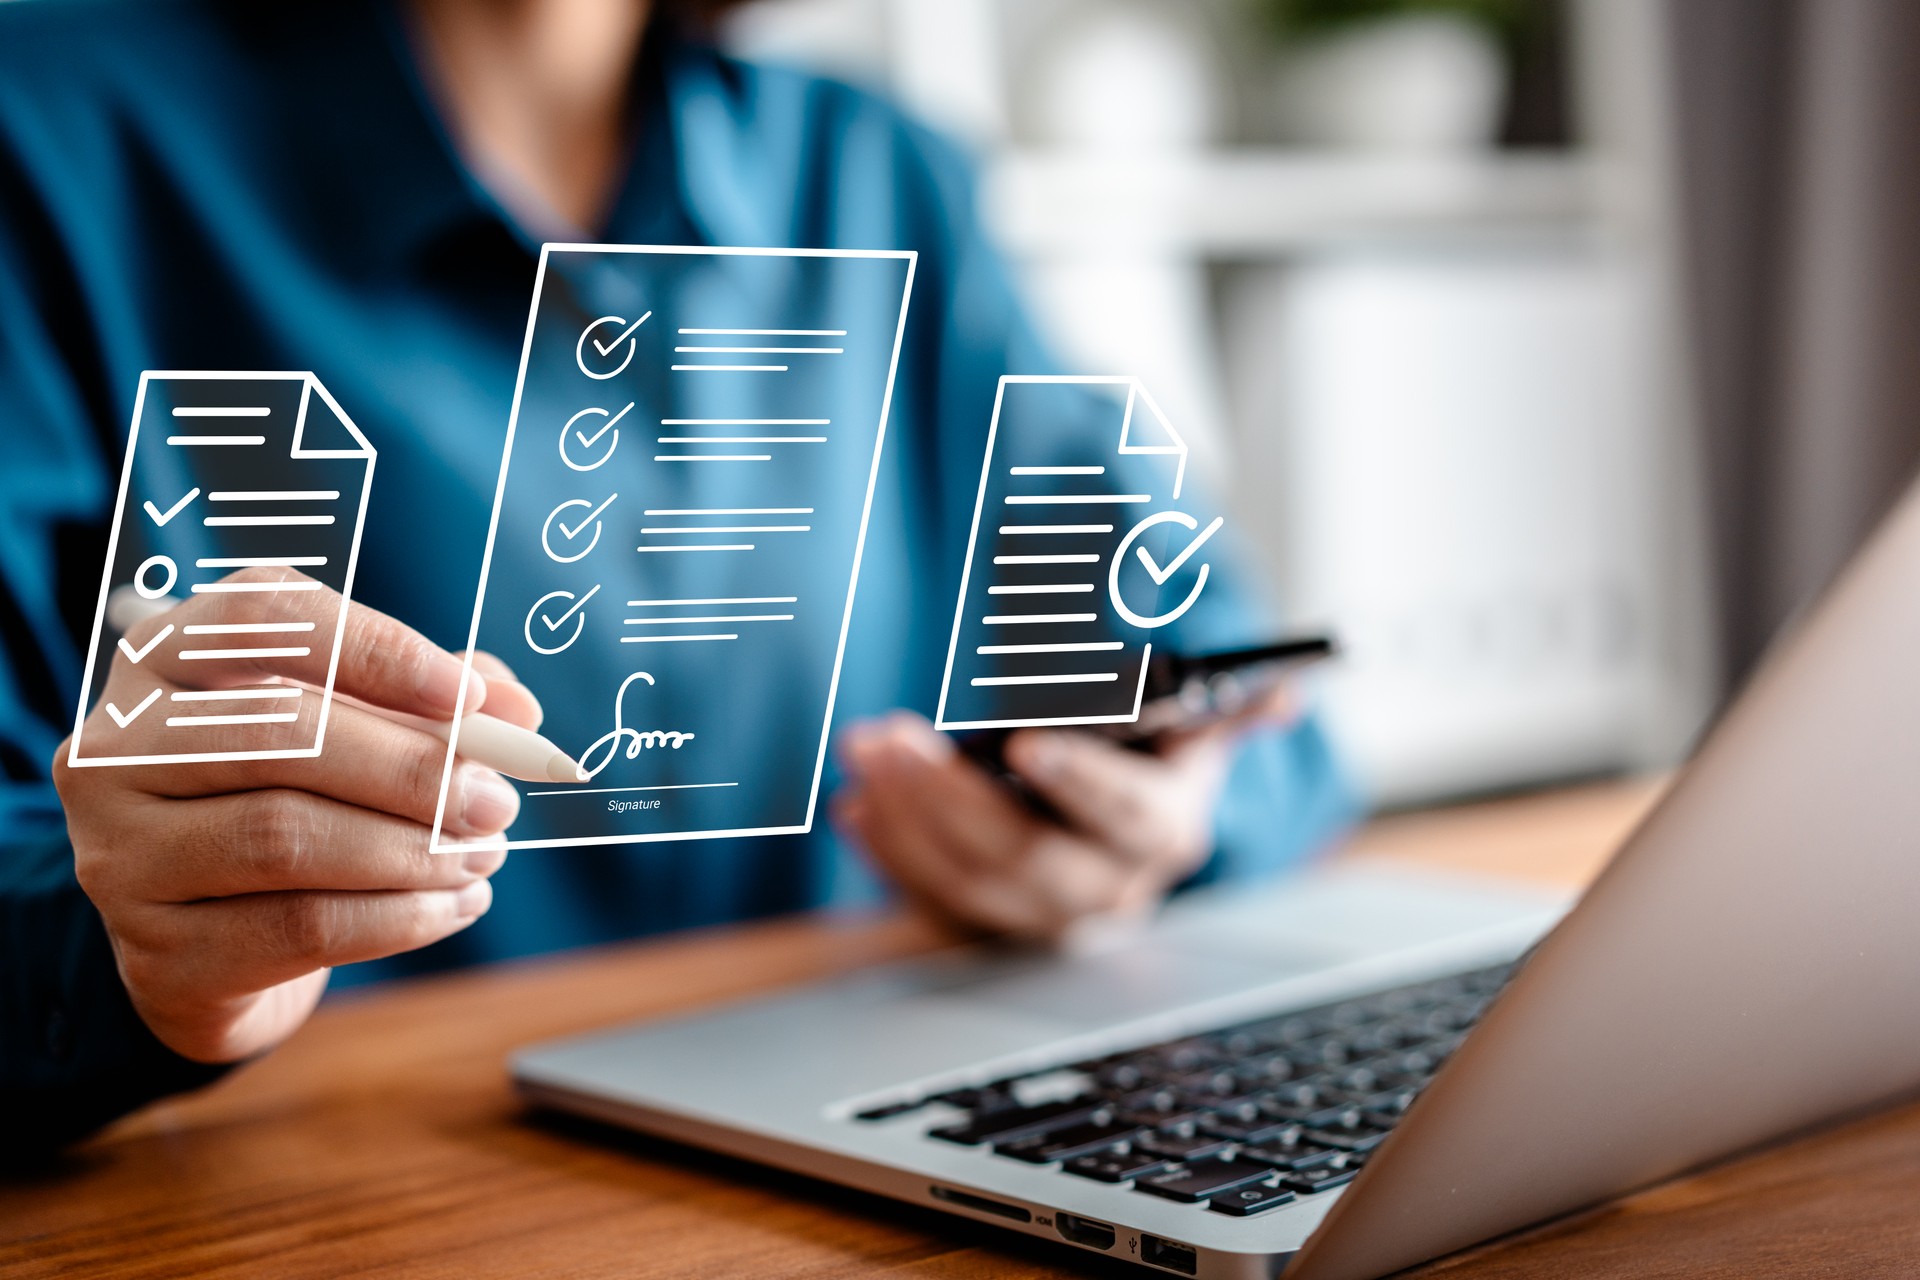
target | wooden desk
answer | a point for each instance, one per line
(384, 1139)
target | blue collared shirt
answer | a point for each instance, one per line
(191, 185)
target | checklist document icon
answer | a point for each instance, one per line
(224, 473)
(1077, 555)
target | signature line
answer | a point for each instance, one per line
(600, 791)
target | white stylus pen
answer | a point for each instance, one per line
(484, 739)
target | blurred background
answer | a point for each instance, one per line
(1404, 272)
(1554, 351)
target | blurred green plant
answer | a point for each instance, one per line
(1296, 19)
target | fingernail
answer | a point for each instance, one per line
(928, 744)
(442, 681)
(488, 802)
(859, 747)
(848, 813)
(484, 862)
(904, 757)
(470, 902)
(1038, 755)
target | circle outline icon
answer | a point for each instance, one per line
(553, 515)
(1148, 622)
(633, 345)
(140, 577)
(568, 430)
(579, 624)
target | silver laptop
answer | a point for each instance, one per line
(1355, 1071)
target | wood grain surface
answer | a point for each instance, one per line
(383, 1140)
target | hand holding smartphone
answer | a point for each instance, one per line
(1183, 692)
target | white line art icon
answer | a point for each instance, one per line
(583, 433)
(223, 472)
(1062, 590)
(721, 415)
(553, 611)
(1158, 573)
(568, 524)
(592, 353)
(636, 740)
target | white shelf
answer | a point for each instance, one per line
(1255, 202)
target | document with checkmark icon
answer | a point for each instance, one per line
(225, 473)
(1078, 554)
(681, 510)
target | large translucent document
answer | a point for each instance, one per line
(678, 526)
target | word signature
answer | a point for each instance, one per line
(628, 806)
(637, 740)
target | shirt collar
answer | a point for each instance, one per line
(729, 177)
(376, 168)
(698, 143)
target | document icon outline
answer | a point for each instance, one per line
(362, 451)
(1137, 401)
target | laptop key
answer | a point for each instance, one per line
(1009, 1123)
(1179, 1145)
(1114, 1166)
(1264, 1069)
(1215, 1082)
(1065, 1144)
(1341, 1116)
(1297, 1096)
(973, 1098)
(1350, 1139)
(1247, 1201)
(1202, 1179)
(1190, 1054)
(1235, 1128)
(1349, 1129)
(1152, 1100)
(1120, 1075)
(1178, 1121)
(1390, 1103)
(1322, 1178)
(1292, 1157)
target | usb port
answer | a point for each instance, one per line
(1084, 1231)
(1165, 1253)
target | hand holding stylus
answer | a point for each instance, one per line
(230, 887)
(515, 751)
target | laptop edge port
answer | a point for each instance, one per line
(1165, 1253)
(968, 1200)
(1083, 1231)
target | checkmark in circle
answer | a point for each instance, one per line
(1160, 575)
(593, 351)
(564, 521)
(1157, 573)
(552, 619)
(577, 436)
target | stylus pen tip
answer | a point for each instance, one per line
(564, 768)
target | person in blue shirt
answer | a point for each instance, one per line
(361, 189)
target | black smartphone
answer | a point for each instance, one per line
(1182, 692)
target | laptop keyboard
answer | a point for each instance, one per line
(1240, 1120)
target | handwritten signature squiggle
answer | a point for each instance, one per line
(637, 740)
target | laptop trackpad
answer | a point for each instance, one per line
(1221, 942)
(1151, 975)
